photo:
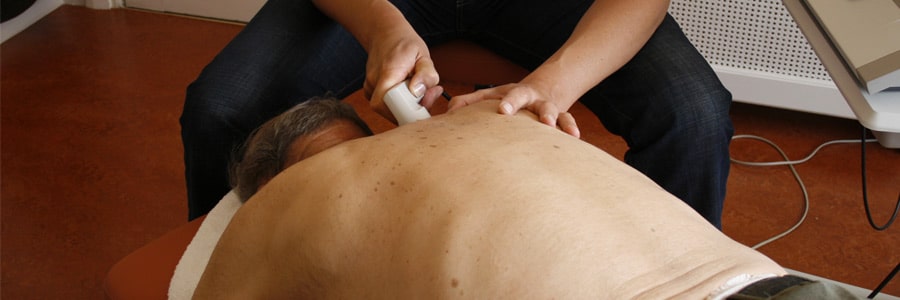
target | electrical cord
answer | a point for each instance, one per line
(786, 161)
(862, 141)
(790, 163)
(865, 193)
(884, 282)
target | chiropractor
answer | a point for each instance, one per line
(627, 61)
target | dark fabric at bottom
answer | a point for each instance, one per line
(791, 287)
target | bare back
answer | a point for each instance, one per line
(473, 204)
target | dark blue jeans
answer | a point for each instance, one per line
(666, 103)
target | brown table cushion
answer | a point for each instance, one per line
(146, 272)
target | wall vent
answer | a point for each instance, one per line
(760, 54)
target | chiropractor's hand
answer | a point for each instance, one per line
(516, 96)
(607, 36)
(393, 58)
(395, 55)
(396, 52)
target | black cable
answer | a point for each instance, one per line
(866, 194)
(484, 86)
(884, 282)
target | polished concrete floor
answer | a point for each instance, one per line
(92, 160)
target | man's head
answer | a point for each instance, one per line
(304, 130)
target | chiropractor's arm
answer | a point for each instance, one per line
(395, 49)
(609, 34)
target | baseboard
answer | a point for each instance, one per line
(766, 89)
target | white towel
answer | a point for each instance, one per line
(196, 255)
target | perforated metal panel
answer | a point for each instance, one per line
(755, 35)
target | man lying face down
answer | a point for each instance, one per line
(469, 204)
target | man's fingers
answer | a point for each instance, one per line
(431, 95)
(566, 123)
(424, 77)
(547, 113)
(368, 89)
(463, 100)
(516, 99)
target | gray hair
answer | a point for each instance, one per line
(265, 152)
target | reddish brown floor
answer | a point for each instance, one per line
(92, 169)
